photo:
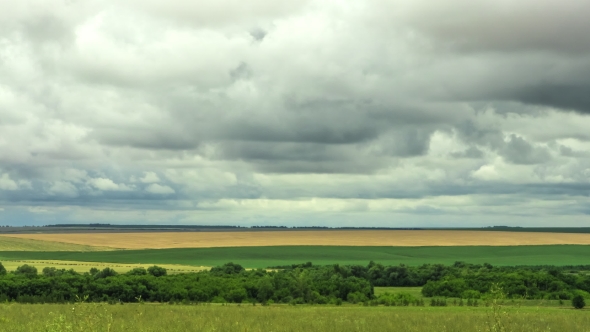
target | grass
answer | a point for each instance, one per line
(261, 257)
(414, 291)
(177, 318)
(80, 267)
(18, 244)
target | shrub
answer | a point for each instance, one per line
(26, 270)
(578, 302)
(156, 271)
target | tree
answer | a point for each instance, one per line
(138, 271)
(157, 271)
(106, 272)
(2, 270)
(578, 302)
(26, 270)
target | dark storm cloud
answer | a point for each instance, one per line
(501, 26)
(564, 96)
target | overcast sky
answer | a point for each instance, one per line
(400, 113)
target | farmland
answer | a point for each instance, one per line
(262, 257)
(398, 238)
(24, 244)
(82, 267)
(180, 318)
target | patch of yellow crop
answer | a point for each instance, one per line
(322, 237)
(81, 267)
(8, 243)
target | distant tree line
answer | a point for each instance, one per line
(294, 284)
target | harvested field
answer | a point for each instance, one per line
(399, 238)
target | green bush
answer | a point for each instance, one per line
(578, 302)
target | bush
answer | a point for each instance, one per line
(105, 273)
(157, 271)
(26, 270)
(138, 271)
(578, 302)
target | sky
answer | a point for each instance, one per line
(395, 113)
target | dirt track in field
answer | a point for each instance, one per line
(323, 237)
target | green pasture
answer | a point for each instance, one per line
(279, 318)
(261, 257)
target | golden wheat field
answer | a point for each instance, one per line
(324, 237)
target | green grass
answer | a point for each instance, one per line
(176, 318)
(16, 244)
(254, 257)
(414, 291)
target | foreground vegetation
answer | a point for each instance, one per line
(262, 257)
(297, 284)
(172, 318)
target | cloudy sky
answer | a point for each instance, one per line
(399, 113)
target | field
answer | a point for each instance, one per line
(81, 267)
(414, 291)
(172, 318)
(398, 238)
(261, 257)
(24, 244)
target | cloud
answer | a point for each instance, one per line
(108, 185)
(7, 184)
(398, 112)
(159, 189)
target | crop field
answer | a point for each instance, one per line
(262, 257)
(278, 318)
(81, 267)
(399, 238)
(24, 244)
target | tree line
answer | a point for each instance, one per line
(294, 284)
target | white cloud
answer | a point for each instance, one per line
(150, 177)
(63, 188)
(7, 184)
(108, 185)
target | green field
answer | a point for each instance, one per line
(254, 257)
(172, 318)
(10, 243)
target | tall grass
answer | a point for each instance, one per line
(161, 317)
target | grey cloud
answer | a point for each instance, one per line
(564, 96)
(501, 26)
(471, 152)
(517, 150)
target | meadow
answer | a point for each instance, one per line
(262, 257)
(398, 238)
(278, 318)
